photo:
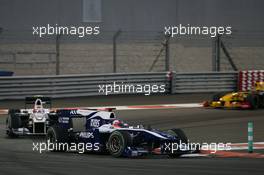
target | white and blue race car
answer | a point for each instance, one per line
(31, 120)
(100, 131)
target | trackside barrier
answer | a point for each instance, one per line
(200, 82)
(18, 87)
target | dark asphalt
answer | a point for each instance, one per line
(201, 125)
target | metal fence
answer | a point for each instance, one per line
(109, 52)
(18, 87)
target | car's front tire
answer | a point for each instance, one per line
(182, 137)
(13, 121)
(179, 133)
(253, 101)
(118, 142)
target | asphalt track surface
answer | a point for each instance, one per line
(201, 125)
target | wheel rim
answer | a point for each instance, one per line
(115, 144)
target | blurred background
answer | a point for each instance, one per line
(131, 36)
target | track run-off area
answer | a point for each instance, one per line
(162, 112)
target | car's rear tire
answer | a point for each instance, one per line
(58, 139)
(118, 142)
(53, 119)
(253, 101)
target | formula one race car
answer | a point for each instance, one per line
(30, 121)
(100, 131)
(246, 100)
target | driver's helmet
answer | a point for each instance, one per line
(259, 86)
(38, 108)
(119, 124)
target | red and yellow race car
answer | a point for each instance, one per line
(248, 100)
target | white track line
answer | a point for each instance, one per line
(3, 111)
(244, 146)
(237, 146)
(136, 107)
(234, 147)
(155, 106)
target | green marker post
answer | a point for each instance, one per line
(250, 137)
